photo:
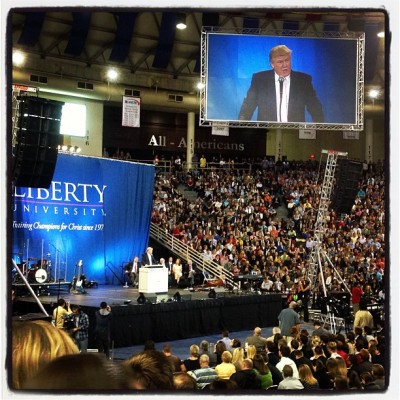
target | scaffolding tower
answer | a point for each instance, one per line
(319, 255)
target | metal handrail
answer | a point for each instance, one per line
(184, 251)
(216, 166)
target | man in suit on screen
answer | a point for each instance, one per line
(281, 94)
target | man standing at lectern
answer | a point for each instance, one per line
(148, 258)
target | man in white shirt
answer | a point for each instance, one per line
(284, 354)
(135, 271)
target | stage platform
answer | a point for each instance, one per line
(163, 318)
(42, 289)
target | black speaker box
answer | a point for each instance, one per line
(183, 296)
(216, 293)
(37, 140)
(348, 175)
(150, 298)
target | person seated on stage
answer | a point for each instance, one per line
(34, 344)
(177, 270)
(132, 271)
(60, 312)
(169, 265)
(190, 272)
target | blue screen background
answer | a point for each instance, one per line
(232, 60)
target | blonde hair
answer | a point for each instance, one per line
(226, 356)
(238, 355)
(280, 50)
(34, 344)
(251, 351)
(315, 341)
(306, 375)
(194, 350)
(341, 366)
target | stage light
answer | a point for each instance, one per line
(200, 86)
(181, 21)
(112, 75)
(18, 58)
(69, 149)
(177, 297)
(374, 93)
(141, 299)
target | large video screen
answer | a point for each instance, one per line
(323, 79)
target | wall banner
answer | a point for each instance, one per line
(307, 134)
(95, 210)
(131, 111)
(355, 135)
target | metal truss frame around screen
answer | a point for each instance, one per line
(333, 60)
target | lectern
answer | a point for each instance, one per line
(153, 279)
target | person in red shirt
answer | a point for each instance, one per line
(356, 294)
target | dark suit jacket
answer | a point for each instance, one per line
(129, 267)
(262, 95)
(145, 260)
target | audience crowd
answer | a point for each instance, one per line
(329, 362)
(234, 221)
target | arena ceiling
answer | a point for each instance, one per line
(149, 51)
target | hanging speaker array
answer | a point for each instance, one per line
(348, 177)
(37, 139)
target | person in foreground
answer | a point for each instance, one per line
(246, 378)
(289, 382)
(281, 94)
(34, 345)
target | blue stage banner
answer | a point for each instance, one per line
(96, 210)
